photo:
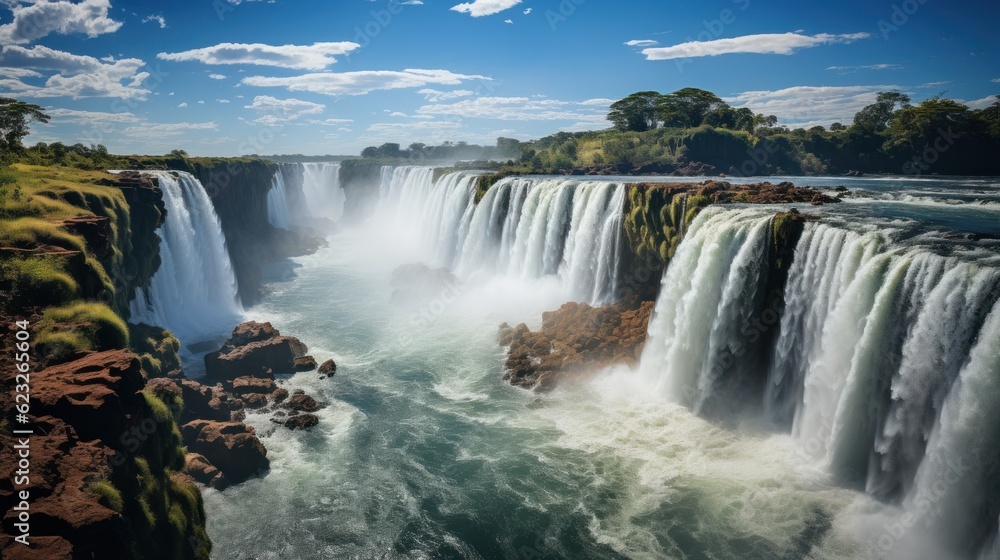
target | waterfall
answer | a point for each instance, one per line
(194, 292)
(324, 196)
(704, 328)
(277, 203)
(884, 364)
(527, 228)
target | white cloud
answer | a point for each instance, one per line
(434, 95)
(282, 111)
(222, 100)
(71, 75)
(157, 130)
(510, 21)
(413, 3)
(301, 57)
(182, 106)
(768, 43)
(90, 117)
(13, 72)
(517, 109)
(598, 102)
(34, 19)
(527, 11)
(217, 76)
(361, 82)
(979, 103)
(331, 122)
(479, 8)
(866, 67)
(807, 106)
(995, 80)
(157, 19)
(933, 84)
(419, 125)
(642, 43)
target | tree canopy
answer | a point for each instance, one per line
(15, 116)
(684, 108)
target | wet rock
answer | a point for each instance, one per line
(302, 403)
(327, 369)
(302, 421)
(255, 401)
(257, 350)
(305, 363)
(279, 395)
(574, 340)
(232, 447)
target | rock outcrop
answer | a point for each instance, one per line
(105, 456)
(574, 340)
(258, 350)
(232, 447)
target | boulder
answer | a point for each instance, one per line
(574, 340)
(279, 395)
(327, 369)
(255, 349)
(301, 421)
(204, 472)
(302, 403)
(247, 385)
(305, 363)
(232, 447)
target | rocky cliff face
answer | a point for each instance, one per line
(107, 464)
(360, 181)
(658, 214)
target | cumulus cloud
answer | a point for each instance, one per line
(767, 43)
(300, 57)
(361, 82)
(71, 75)
(807, 106)
(34, 19)
(274, 111)
(480, 8)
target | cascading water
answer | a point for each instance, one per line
(194, 292)
(277, 203)
(885, 364)
(702, 335)
(522, 227)
(324, 196)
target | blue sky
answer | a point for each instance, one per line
(233, 77)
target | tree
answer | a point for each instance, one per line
(876, 117)
(688, 107)
(915, 127)
(837, 127)
(636, 113)
(15, 116)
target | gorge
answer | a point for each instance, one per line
(817, 376)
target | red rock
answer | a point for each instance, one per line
(232, 447)
(92, 393)
(246, 385)
(204, 472)
(255, 349)
(574, 340)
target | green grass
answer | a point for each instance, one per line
(39, 279)
(80, 326)
(108, 495)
